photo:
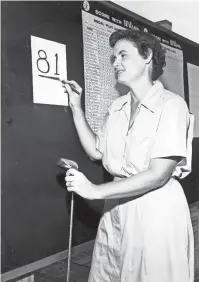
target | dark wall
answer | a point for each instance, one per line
(35, 216)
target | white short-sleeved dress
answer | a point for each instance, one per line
(147, 238)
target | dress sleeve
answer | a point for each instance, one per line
(172, 132)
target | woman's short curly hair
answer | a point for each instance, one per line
(143, 41)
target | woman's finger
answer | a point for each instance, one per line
(71, 171)
(70, 178)
(73, 84)
(68, 172)
(70, 184)
(68, 89)
(71, 189)
(65, 91)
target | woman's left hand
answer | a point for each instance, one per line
(77, 182)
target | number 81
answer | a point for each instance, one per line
(43, 57)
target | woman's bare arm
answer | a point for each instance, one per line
(159, 172)
(86, 136)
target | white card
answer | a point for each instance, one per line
(48, 65)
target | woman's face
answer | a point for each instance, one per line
(128, 64)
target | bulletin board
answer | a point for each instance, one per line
(35, 205)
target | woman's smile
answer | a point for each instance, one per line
(119, 71)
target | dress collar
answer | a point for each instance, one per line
(151, 101)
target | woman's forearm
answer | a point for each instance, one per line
(86, 135)
(131, 186)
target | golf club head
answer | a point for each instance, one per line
(66, 164)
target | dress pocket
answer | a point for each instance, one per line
(138, 151)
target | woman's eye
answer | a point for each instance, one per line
(123, 55)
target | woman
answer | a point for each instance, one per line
(145, 232)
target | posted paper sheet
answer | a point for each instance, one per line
(48, 65)
(173, 77)
(193, 81)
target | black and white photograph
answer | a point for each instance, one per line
(99, 141)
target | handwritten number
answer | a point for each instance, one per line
(56, 56)
(43, 64)
(43, 57)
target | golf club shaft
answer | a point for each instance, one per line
(70, 237)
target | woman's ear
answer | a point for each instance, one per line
(149, 57)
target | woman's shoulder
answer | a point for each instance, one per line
(174, 101)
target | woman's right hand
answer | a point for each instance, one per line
(74, 92)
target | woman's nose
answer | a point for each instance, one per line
(116, 63)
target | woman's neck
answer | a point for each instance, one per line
(139, 89)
